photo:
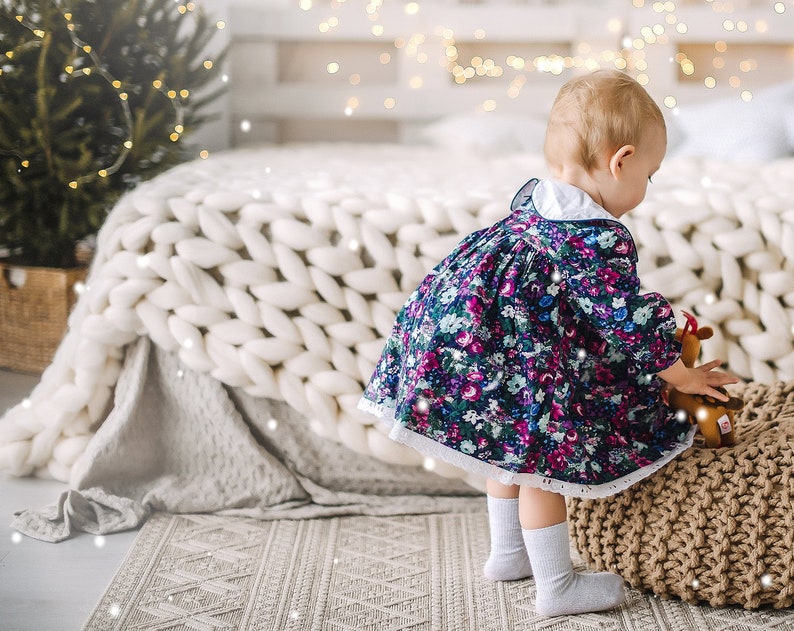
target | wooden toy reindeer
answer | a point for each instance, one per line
(714, 418)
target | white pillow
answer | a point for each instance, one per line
(734, 130)
(487, 133)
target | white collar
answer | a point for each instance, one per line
(560, 201)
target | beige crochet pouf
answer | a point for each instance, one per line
(714, 526)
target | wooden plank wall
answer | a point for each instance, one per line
(379, 70)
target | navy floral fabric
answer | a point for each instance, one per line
(530, 348)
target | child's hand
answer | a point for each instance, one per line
(698, 380)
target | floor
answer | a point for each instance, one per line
(47, 586)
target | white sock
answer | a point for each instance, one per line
(560, 590)
(508, 560)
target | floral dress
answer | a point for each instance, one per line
(528, 355)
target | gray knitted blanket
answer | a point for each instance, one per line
(178, 441)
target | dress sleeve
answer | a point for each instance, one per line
(597, 268)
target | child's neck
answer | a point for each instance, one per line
(578, 177)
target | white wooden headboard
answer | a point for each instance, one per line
(378, 70)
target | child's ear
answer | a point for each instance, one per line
(616, 162)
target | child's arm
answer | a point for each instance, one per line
(698, 380)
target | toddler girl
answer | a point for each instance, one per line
(529, 356)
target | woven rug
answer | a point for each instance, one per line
(362, 573)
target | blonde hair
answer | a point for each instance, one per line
(596, 114)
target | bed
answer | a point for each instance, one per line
(278, 270)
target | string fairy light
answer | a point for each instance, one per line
(176, 98)
(632, 54)
(102, 70)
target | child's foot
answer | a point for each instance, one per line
(560, 590)
(508, 560)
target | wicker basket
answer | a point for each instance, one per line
(34, 305)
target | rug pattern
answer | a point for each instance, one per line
(409, 572)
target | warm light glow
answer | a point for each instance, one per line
(748, 65)
(332, 67)
(412, 8)
(389, 103)
(780, 7)
(670, 102)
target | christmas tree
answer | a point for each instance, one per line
(95, 96)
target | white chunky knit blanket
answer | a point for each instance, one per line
(279, 271)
